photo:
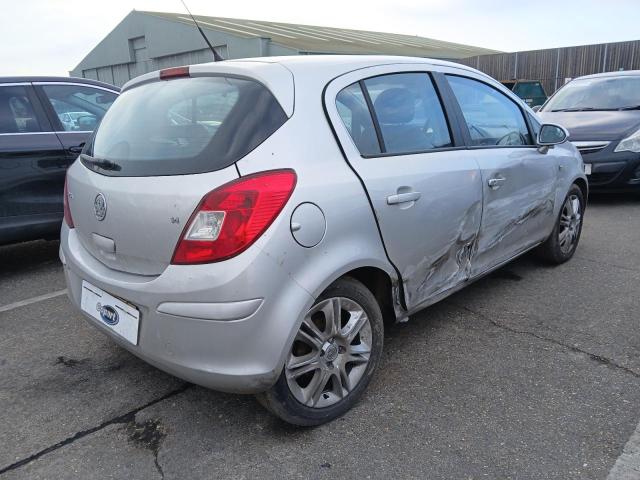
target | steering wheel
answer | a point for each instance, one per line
(512, 138)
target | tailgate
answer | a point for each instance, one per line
(143, 216)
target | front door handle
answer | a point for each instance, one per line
(496, 183)
(403, 198)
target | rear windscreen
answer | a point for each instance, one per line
(183, 126)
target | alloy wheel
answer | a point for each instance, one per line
(330, 352)
(570, 221)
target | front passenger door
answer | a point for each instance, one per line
(518, 180)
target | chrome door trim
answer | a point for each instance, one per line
(51, 132)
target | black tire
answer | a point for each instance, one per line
(281, 401)
(551, 251)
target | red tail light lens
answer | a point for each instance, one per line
(65, 202)
(230, 218)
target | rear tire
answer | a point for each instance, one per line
(330, 363)
(563, 241)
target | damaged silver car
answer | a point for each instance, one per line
(249, 225)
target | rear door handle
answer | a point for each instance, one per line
(403, 198)
(495, 183)
(76, 148)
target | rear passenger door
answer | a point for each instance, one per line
(425, 189)
(32, 162)
(75, 110)
(518, 179)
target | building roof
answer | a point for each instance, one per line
(316, 39)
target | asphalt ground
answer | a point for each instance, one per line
(530, 373)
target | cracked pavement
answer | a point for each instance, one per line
(532, 372)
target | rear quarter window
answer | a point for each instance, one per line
(185, 126)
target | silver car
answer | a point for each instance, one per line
(250, 225)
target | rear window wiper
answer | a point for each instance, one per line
(101, 163)
(630, 107)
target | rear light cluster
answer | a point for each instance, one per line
(65, 202)
(230, 218)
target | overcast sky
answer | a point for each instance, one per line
(50, 37)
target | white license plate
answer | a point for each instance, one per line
(112, 312)
(587, 169)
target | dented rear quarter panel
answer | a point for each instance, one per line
(351, 239)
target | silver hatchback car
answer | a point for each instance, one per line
(250, 225)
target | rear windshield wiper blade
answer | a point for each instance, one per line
(630, 107)
(101, 163)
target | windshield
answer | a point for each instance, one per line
(606, 93)
(183, 126)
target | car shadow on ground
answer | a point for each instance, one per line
(614, 199)
(24, 256)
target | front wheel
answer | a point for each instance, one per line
(563, 241)
(333, 357)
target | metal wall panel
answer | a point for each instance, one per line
(187, 58)
(120, 74)
(90, 73)
(105, 74)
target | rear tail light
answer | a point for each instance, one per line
(230, 218)
(65, 202)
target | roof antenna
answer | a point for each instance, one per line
(216, 56)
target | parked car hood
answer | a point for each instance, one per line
(595, 125)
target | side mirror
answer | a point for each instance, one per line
(551, 135)
(536, 108)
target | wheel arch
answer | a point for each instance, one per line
(584, 187)
(380, 279)
(384, 288)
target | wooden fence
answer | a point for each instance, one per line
(554, 66)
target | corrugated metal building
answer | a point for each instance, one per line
(147, 41)
(554, 66)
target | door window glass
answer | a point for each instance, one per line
(409, 112)
(79, 108)
(16, 111)
(353, 110)
(491, 117)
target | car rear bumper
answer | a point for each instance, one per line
(225, 326)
